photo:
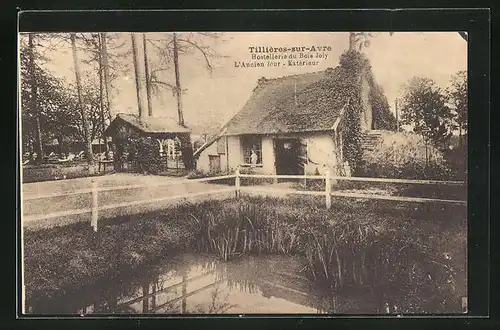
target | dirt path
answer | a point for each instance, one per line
(155, 188)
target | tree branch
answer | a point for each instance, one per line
(203, 51)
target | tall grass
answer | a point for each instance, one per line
(240, 228)
(353, 244)
(344, 247)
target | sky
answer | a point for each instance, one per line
(210, 99)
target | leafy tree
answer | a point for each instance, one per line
(32, 74)
(383, 118)
(359, 40)
(353, 64)
(45, 104)
(457, 95)
(424, 108)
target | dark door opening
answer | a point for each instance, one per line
(214, 163)
(287, 153)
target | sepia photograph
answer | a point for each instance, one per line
(209, 173)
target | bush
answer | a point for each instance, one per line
(148, 155)
(197, 174)
(403, 155)
(51, 172)
(253, 181)
(457, 160)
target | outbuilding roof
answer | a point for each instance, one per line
(152, 124)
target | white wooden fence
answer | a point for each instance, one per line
(237, 189)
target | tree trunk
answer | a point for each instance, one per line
(138, 85)
(105, 65)
(148, 78)
(34, 98)
(459, 135)
(60, 142)
(86, 128)
(178, 81)
(101, 97)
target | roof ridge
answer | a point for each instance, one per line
(265, 80)
(136, 115)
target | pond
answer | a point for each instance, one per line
(198, 284)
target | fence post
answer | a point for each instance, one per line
(237, 182)
(328, 189)
(95, 211)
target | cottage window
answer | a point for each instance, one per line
(249, 143)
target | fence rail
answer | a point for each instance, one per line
(351, 178)
(121, 205)
(128, 187)
(237, 189)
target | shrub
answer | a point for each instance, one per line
(198, 174)
(148, 155)
(253, 181)
(403, 155)
(457, 160)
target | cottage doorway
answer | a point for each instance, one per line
(214, 163)
(287, 153)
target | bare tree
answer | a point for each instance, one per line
(88, 141)
(172, 48)
(105, 64)
(108, 53)
(148, 76)
(101, 91)
(138, 85)
(178, 81)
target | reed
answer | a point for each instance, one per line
(354, 244)
(344, 247)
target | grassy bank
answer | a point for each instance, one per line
(399, 250)
(69, 258)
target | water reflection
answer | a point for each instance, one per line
(193, 284)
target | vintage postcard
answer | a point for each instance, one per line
(182, 173)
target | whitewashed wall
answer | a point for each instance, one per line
(321, 149)
(235, 151)
(203, 161)
(268, 157)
